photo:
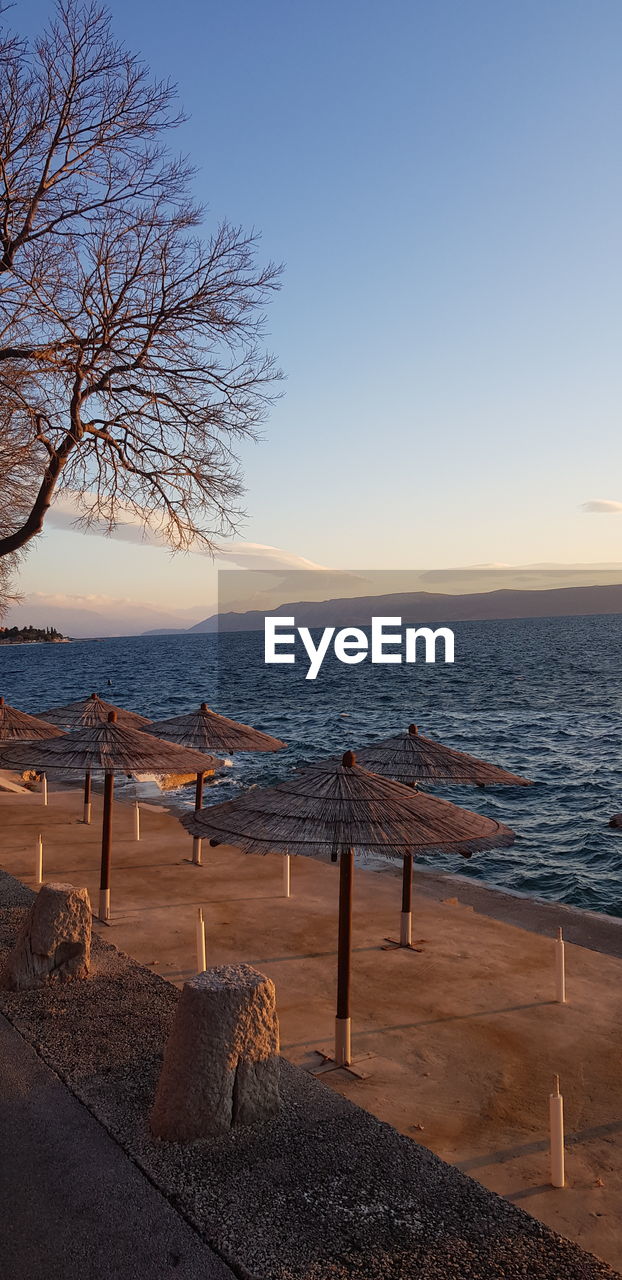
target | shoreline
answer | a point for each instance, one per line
(594, 930)
(7, 644)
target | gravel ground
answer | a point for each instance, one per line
(323, 1191)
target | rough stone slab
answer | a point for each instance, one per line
(54, 942)
(221, 1063)
(74, 1206)
(325, 1191)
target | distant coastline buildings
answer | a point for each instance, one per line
(31, 635)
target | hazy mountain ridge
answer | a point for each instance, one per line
(428, 607)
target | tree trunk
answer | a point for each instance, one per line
(41, 505)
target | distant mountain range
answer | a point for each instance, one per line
(424, 607)
(97, 616)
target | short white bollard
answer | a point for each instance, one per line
(287, 877)
(201, 943)
(136, 820)
(44, 788)
(39, 861)
(556, 1124)
(197, 851)
(560, 969)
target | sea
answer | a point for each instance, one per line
(541, 697)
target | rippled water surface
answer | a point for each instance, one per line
(541, 696)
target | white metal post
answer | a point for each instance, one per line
(556, 1122)
(39, 861)
(560, 969)
(201, 943)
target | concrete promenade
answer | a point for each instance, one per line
(324, 1192)
(73, 1205)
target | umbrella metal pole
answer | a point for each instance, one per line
(197, 845)
(343, 1053)
(407, 891)
(406, 918)
(87, 797)
(104, 883)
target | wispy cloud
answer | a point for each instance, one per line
(245, 555)
(602, 506)
(257, 555)
(99, 600)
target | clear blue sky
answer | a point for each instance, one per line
(443, 181)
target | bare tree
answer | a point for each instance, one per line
(21, 463)
(7, 595)
(131, 349)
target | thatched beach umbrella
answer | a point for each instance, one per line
(92, 710)
(112, 748)
(86, 712)
(328, 811)
(17, 726)
(411, 758)
(206, 730)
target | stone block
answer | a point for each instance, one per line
(54, 942)
(221, 1064)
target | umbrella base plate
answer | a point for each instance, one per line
(328, 1064)
(390, 944)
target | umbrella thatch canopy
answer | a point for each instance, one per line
(205, 730)
(327, 808)
(89, 711)
(327, 811)
(113, 748)
(410, 758)
(84, 713)
(17, 726)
